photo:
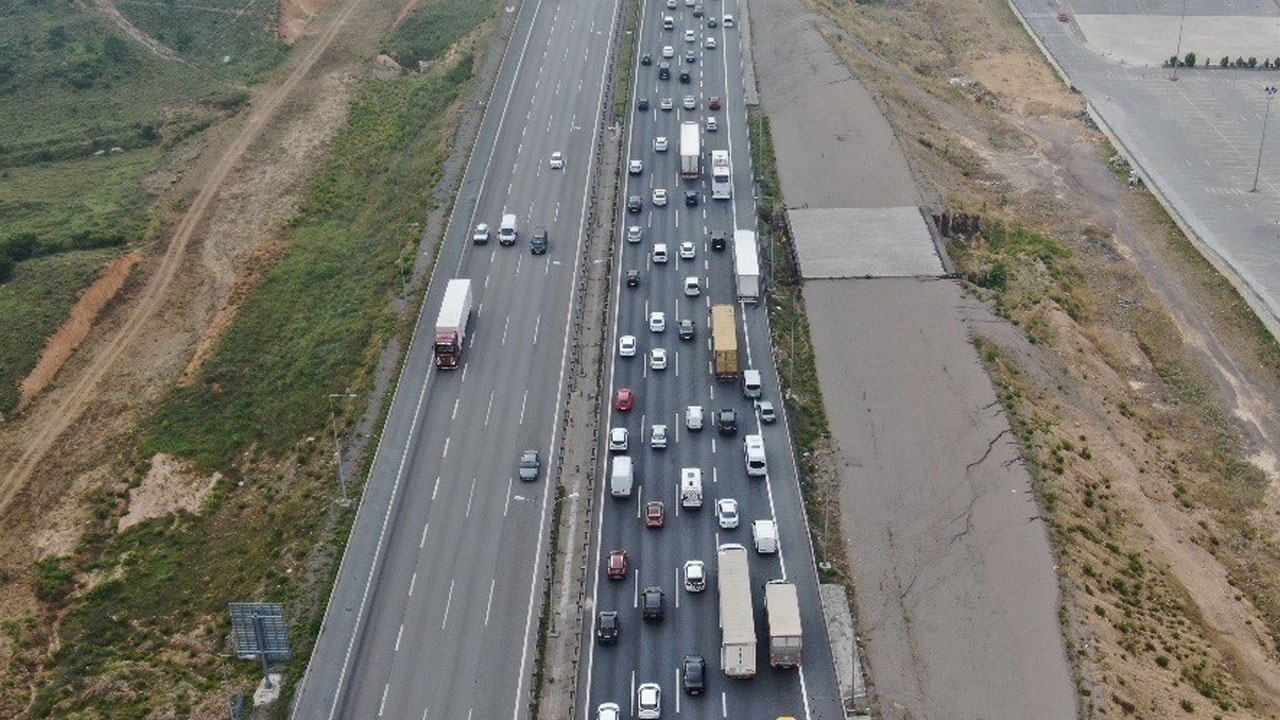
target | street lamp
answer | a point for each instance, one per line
(1270, 90)
(344, 501)
(1181, 19)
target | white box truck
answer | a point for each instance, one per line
(721, 175)
(451, 324)
(622, 477)
(690, 151)
(690, 488)
(783, 608)
(737, 622)
(746, 265)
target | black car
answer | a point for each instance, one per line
(607, 627)
(691, 57)
(727, 421)
(646, 59)
(712, 22)
(717, 241)
(685, 77)
(651, 601)
(691, 198)
(697, 10)
(634, 203)
(642, 104)
(694, 673)
(664, 70)
(633, 278)
(538, 245)
(686, 329)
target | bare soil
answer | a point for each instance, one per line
(1145, 396)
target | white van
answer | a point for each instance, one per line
(621, 479)
(660, 252)
(690, 488)
(765, 535)
(507, 231)
(753, 452)
(751, 383)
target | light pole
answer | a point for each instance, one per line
(1178, 51)
(1270, 90)
(344, 501)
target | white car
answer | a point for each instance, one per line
(659, 197)
(711, 43)
(687, 250)
(671, 4)
(727, 513)
(618, 440)
(657, 321)
(610, 711)
(692, 288)
(665, 104)
(690, 36)
(634, 233)
(689, 102)
(557, 161)
(660, 253)
(660, 143)
(649, 701)
(658, 436)
(635, 167)
(712, 125)
(668, 51)
(695, 576)
(657, 359)
(481, 235)
(727, 21)
(627, 346)
(693, 417)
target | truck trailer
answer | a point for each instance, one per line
(737, 621)
(690, 151)
(724, 343)
(451, 324)
(746, 265)
(783, 607)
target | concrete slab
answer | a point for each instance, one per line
(864, 243)
(957, 598)
(1149, 41)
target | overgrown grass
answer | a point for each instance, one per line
(34, 304)
(314, 319)
(434, 27)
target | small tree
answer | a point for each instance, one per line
(1190, 60)
(1224, 62)
(1239, 62)
(1252, 62)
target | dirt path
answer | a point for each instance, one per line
(155, 46)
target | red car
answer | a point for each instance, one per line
(714, 103)
(654, 514)
(626, 399)
(618, 565)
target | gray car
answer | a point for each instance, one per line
(529, 465)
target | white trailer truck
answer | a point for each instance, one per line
(721, 175)
(783, 607)
(737, 624)
(746, 265)
(451, 324)
(690, 151)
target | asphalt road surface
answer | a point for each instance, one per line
(434, 611)
(652, 652)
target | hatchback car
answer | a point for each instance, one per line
(693, 673)
(689, 103)
(713, 102)
(710, 43)
(767, 413)
(633, 278)
(660, 143)
(695, 576)
(666, 104)
(625, 401)
(727, 513)
(658, 437)
(634, 233)
(538, 243)
(657, 321)
(646, 59)
(659, 197)
(686, 329)
(616, 567)
(655, 514)
(608, 711)
(668, 51)
(649, 701)
(691, 56)
(557, 160)
(529, 465)
(691, 198)
(607, 627)
(657, 359)
(635, 167)
(690, 36)
(634, 203)
(651, 602)
(618, 440)
(687, 250)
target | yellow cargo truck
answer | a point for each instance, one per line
(724, 343)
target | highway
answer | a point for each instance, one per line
(652, 652)
(436, 604)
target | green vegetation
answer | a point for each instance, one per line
(428, 33)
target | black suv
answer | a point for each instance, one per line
(646, 59)
(633, 278)
(727, 421)
(538, 245)
(664, 70)
(634, 204)
(642, 104)
(717, 241)
(691, 198)
(607, 627)
(651, 601)
(685, 77)
(694, 673)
